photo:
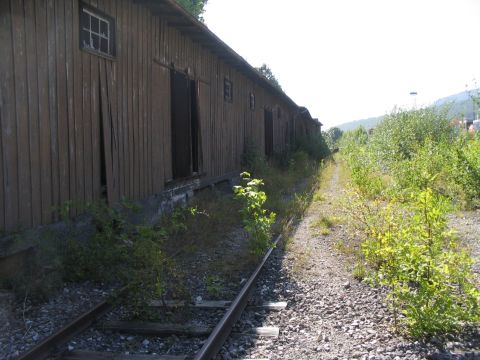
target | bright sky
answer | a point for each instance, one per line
(351, 59)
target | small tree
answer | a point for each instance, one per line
(267, 72)
(257, 220)
(195, 7)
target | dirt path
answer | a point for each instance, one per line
(331, 315)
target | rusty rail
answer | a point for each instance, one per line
(209, 350)
(62, 336)
(221, 332)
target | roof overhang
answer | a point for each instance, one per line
(179, 18)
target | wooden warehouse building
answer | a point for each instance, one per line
(122, 98)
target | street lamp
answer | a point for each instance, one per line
(414, 95)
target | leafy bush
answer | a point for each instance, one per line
(120, 252)
(256, 219)
(465, 170)
(418, 258)
(418, 165)
(365, 173)
(412, 150)
(401, 133)
(315, 146)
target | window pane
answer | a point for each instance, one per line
(104, 28)
(85, 39)
(97, 30)
(95, 24)
(84, 20)
(95, 42)
(104, 45)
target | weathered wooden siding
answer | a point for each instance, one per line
(56, 99)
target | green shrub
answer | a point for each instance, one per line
(465, 170)
(421, 164)
(364, 170)
(359, 271)
(214, 286)
(257, 221)
(315, 146)
(417, 257)
(401, 133)
(120, 252)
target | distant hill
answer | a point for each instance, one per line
(460, 105)
(366, 123)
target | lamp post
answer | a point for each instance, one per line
(414, 95)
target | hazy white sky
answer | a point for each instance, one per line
(351, 59)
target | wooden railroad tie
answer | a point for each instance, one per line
(218, 304)
(99, 355)
(160, 329)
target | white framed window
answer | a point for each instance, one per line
(97, 31)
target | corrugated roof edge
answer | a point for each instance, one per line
(228, 50)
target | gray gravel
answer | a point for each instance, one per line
(31, 323)
(467, 225)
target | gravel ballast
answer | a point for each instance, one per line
(330, 315)
(31, 323)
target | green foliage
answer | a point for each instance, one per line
(465, 170)
(324, 224)
(267, 72)
(315, 146)
(214, 286)
(332, 137)
(408, 174)
(365, 172)
(256, 219)
(195, 7)
(359, 272)
(121, 252)
(412, 150)
(399, 136)
(334, 133)
(418, 258)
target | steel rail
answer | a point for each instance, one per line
(211, 347)
(220, 333)
(43, 349)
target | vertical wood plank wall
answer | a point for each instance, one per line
(56, 98)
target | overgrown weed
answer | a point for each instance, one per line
(407, 176)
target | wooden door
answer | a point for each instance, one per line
(268, 132)
(181, 125)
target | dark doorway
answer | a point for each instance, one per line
(194, 124)
(103, 165)
(268, 133)
(185, 127)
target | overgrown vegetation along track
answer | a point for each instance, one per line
(209, 350)
(215, 258)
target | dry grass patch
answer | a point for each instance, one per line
(301, 259)
(324, 224)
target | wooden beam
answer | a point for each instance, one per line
(219, 304)
(97, 355)
(157, 329)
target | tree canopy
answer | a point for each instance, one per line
(267, 72)
(334, 133)
(195, 7)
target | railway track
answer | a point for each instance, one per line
(54, 347)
